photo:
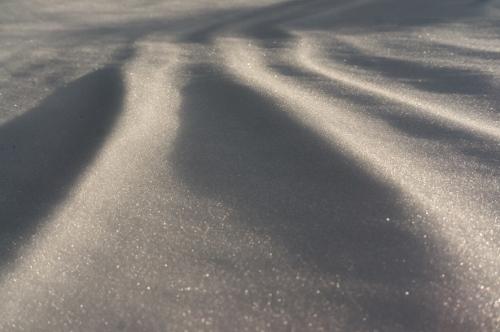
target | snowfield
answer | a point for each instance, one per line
(303, 165)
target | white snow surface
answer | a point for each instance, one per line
(304, 165)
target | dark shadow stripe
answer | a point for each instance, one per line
(237, 147)
(43, 151)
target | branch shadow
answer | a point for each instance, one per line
(43, 151)
(485, 151)
(425, 77)
(237, 147)
(396, 14)
(272, 23)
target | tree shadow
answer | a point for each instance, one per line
(43, 151)
(411, 124)
(426, 77)
(237, 147)
(396, 14)
(273, 22)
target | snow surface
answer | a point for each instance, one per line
(303, 165)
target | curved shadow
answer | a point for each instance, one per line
(411, 124)
(236, 147)
(268, 23)
(387, 15)
(258, 21)
(43, 151)
(425, 77)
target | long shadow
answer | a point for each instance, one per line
(436, 79)
(397, 15)
(237, 147)
(411, 124)
(260, 23)
(270, 22)
(43, 151)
